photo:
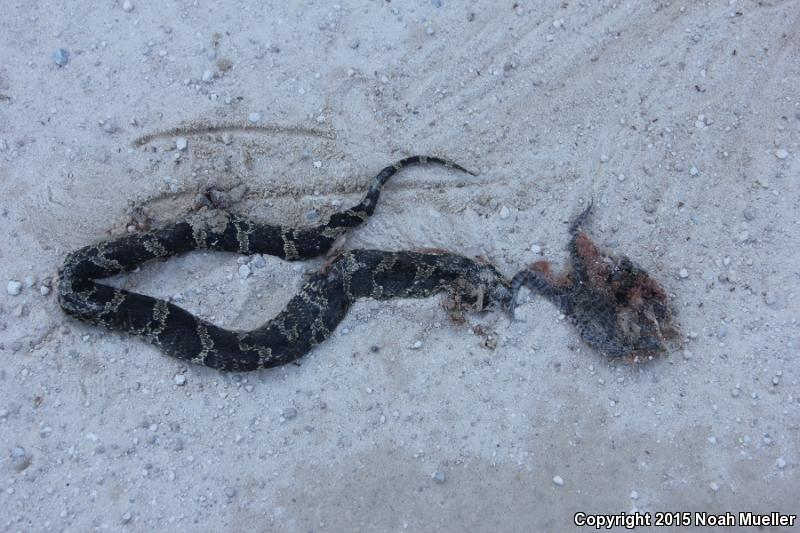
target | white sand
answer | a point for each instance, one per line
(554, 104)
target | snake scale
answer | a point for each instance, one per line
(616, 306)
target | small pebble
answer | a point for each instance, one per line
(701, 122)
(436, 3)
(780, 463)
(127, 517)
(536, 249)
(439, 477)
(504, 212)
(180, 380)
(181, 143)
(254, 117)
(20, 459)
(417, 345)
(17, 452)
(781, 153)
(749, 214)
(127, 6)
(713, 486)
(259, 261)
(634, 495)
(712, 440)
(109, 125)
(289, 413)
(208, 76)
(14, 287)
(429, 30)
(244, 271)
(683, 273)
(604, 158)
(770, 298)
(558, 481)
(694, 171)
(312, 215)
(60, 57)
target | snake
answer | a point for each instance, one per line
(618, 308)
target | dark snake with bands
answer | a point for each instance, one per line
(618, 308)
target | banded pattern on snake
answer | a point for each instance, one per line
(617, 307)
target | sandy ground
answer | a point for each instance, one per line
(679, 118)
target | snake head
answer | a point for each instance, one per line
(617, 307)
(621, 310)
